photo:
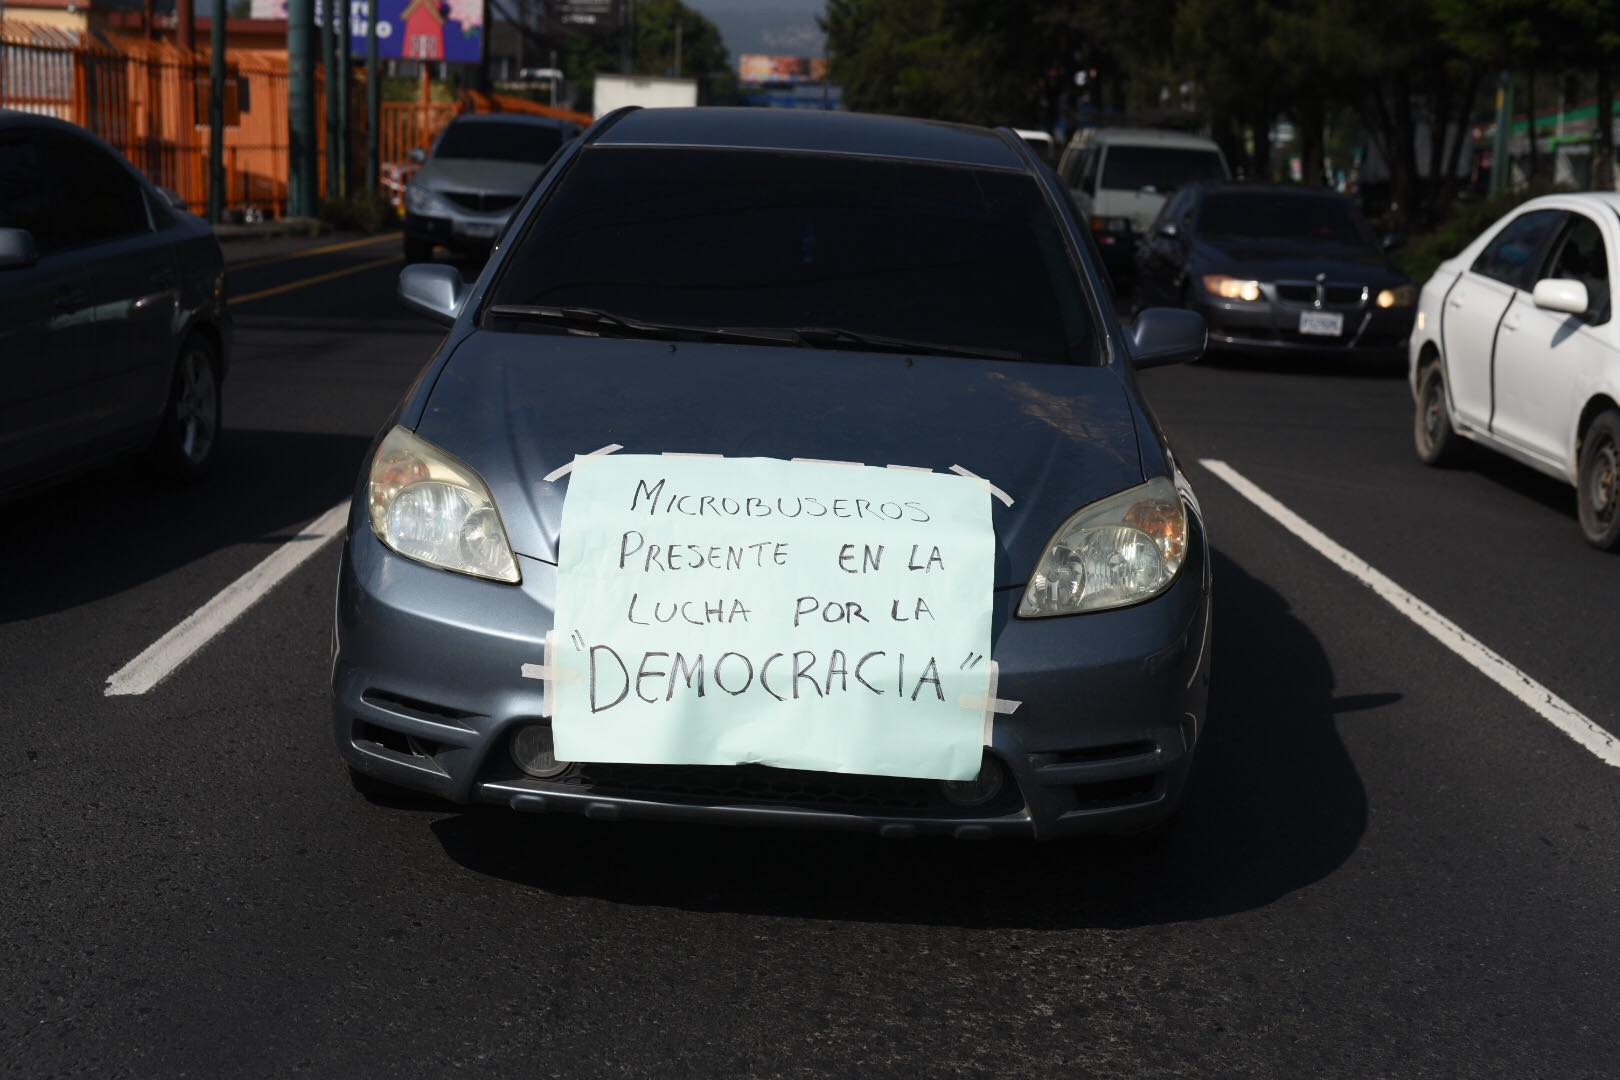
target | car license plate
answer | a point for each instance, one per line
(483, 232)
(1324, 323)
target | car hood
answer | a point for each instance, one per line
(477, 174)
(515, 406)
(1274, 261)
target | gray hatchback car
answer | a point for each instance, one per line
(113, 324)
(480, 168)
(741, 285)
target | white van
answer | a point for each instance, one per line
(1120, 178)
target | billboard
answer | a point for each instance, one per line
(450, 30)
(764, 68)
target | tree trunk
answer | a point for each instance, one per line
(1530, 110)
(1403, 168)
(1225, 136)
(1604, 178)
(1260, 160)
(1310, 118)
(1447, 189)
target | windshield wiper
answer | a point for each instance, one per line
(607, 323)
(833, 337)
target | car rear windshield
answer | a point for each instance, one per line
(970, 258)
(1260, 216)
(1161, 168)
(530, 143)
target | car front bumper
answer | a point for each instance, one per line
(461, 231)
(427, 693)
(1273, 327)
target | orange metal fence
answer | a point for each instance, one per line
(148, 99)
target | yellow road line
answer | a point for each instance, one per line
(324, 249)
(316, 280)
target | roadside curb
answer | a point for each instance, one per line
(263, 230)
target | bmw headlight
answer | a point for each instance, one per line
(428, 506)
(421, 200)
(1117, 551)
(1228, 287)
(1399, 296)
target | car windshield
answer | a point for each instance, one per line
(1261, 216)
(973, 259)
(1161, 168)
(530, 143)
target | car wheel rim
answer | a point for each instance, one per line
(197, 409)
(1432, 414)
(1605, 480)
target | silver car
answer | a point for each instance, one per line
(479, 170)
(112, 312)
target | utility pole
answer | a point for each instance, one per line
(329, 59)
(216, 112)
(345, 128)
(373, 102)
(301, 154)
(184, 25)
(1501, 146)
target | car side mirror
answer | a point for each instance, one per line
(1561, 294)
(17, 249)
(418, 155)
(1392, 241)
(434, 290)
(1162, 336)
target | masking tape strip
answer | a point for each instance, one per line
(1006, 499)
(828, 461)
(990, 704)
(703, 457)
(563, 470)
(547, 672)
(909, 468)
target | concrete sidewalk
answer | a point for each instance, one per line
(263, 230)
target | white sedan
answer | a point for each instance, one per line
(1517, 348)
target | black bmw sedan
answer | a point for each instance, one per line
(1277, 268)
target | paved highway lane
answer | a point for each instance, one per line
(1389, 865)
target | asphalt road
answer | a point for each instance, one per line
(1389, 866)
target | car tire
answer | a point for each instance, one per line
(418, 251)
(1437, 442)
(1597, 484)
(188, 437)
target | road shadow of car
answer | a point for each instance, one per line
(1276, 804)
(1552, 493)
(1303, 363)
(118, 527)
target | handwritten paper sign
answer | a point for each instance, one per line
(715, 611)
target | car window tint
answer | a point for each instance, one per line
(105, 199)
(493, 141)
(1514, 255)
(1262, 215)
(27, 200)
(1582, 257)
(1162, 168)
(719, 238)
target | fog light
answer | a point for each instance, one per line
(980, 790)
(534, 752)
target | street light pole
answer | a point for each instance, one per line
(373, 102)
(216, 113)
(329, 59)
(301, 141)
(345, 131)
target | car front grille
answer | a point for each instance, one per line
(480, 203)
(756, 784)
(1333, 294)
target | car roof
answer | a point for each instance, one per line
(513, 118)
(16, 118)
(1144, 137)
(814, 131)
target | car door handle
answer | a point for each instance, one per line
(1510, 324)
(1456, 302)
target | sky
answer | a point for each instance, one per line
(787, 27)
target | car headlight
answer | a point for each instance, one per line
(1228, 287)
(428, 506)
(421, 200)
(1399, 296)
(1117, 551)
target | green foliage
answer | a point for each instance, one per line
(703, 52)
(362, 211)
(1424, 252)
